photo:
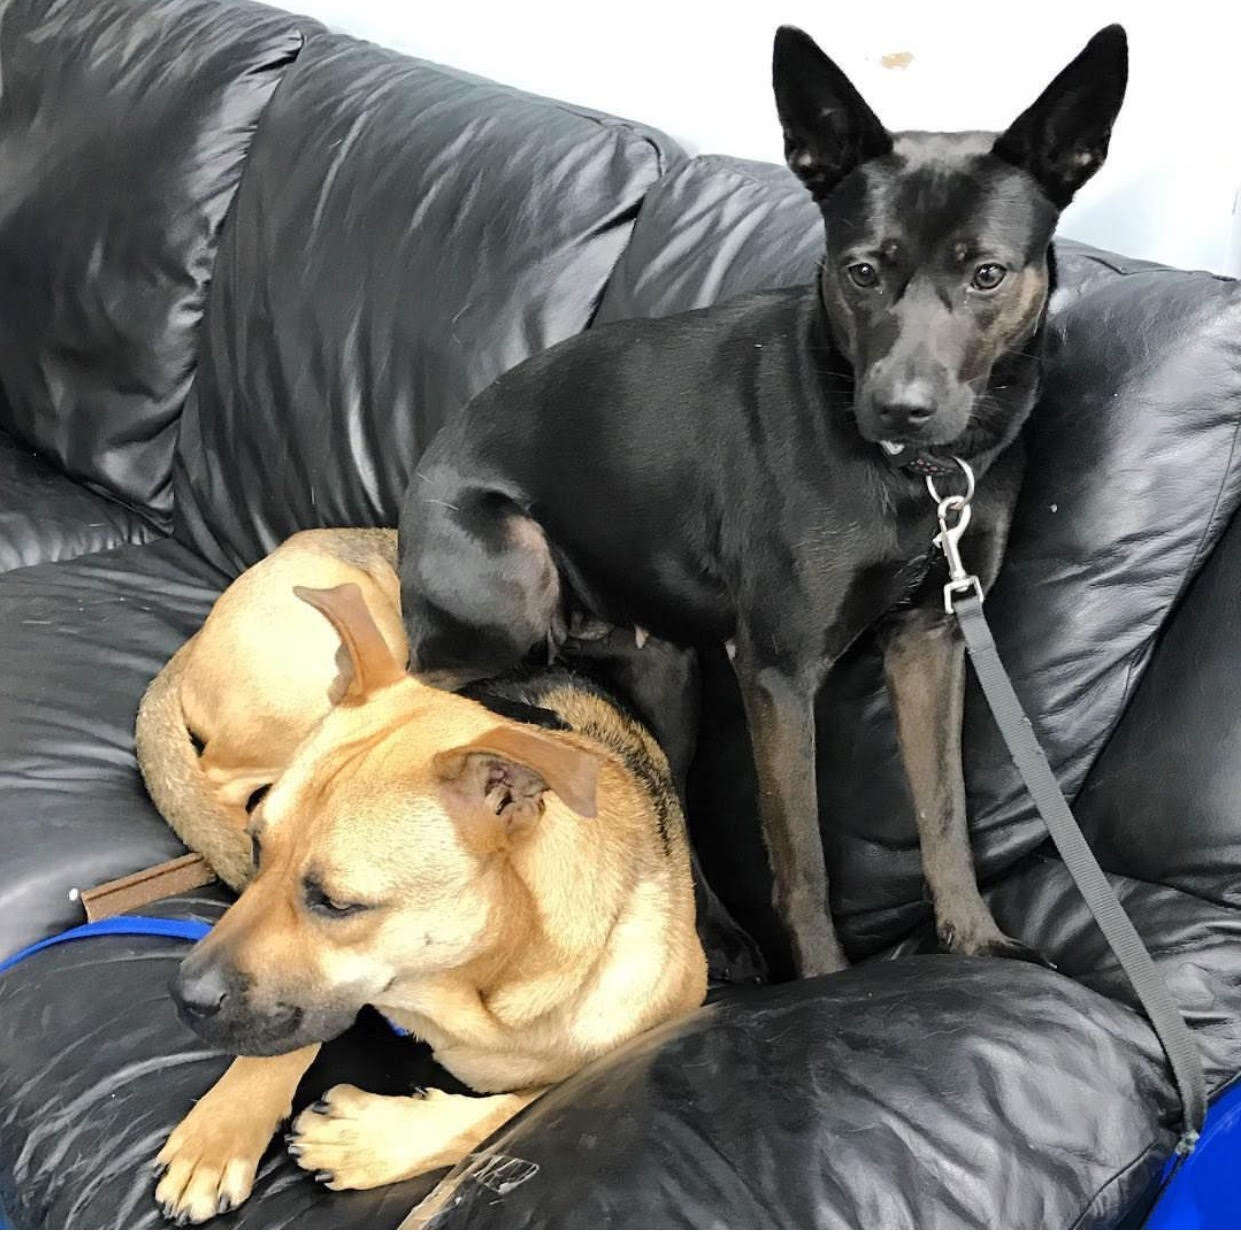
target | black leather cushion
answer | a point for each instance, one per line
(46, 517)
(403, 234)
(1195, 941)
(925, 1092)
(1079, 268)
(79, 641)
(123, 127)
(1132, 477)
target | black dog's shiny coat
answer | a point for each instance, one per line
(717, 476)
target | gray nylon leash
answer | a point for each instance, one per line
(963, 598)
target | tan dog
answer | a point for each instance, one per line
(518, 896)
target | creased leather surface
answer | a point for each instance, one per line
(79, 641)
(715, 228)
(1133, 474)
(925, 1092)
(123, 127)
(403, 234)
(1195, 941)
(46, 517)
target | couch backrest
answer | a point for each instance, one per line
(714, 228)
(1134, 471)
(123, 128)
(403, 234)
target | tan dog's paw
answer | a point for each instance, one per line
(207, 1164)
(351, 1139)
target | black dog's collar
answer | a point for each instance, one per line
(929, 465)
(921, 463)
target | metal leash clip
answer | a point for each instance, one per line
(950, 534)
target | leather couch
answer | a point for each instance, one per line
(247, 267)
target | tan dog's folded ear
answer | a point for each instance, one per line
(508, 768)
(372, 662)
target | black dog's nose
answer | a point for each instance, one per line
(898, 416)
(200, 996)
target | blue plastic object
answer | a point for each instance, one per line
(121, 925)
(1205, 1191)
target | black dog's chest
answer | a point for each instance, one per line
(847, 580)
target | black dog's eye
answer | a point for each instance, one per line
(863, 274)
(988, 277)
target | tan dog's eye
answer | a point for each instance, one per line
(319, 902)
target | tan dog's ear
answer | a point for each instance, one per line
(370, 658)
(508, 768)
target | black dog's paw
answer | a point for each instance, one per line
(990, 945)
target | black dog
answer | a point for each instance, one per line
(754, 473)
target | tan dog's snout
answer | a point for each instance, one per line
(246, 987)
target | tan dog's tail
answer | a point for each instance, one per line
(175, 781)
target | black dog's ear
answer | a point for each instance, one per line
(828, 128)
(1062, 138)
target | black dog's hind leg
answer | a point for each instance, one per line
(779, 706)
(924, 662)
(479, 587)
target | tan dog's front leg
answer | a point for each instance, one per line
(208, 1161)
(351, 1139)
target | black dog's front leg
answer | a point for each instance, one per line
(924, 662)
(779, 707)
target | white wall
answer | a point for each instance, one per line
(701, 72)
